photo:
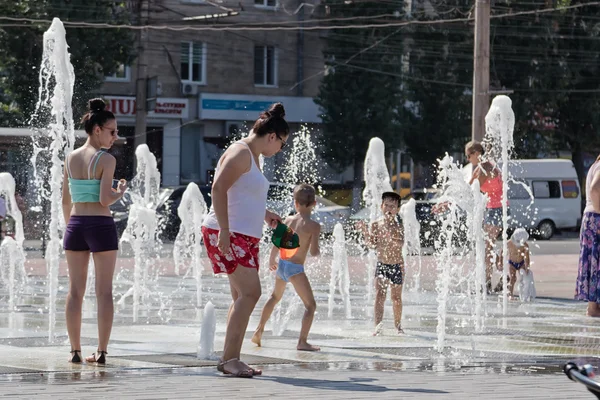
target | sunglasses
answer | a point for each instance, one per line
(113, 132)
(283, 142)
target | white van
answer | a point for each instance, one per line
(544, 195)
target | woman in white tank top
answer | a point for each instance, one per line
(233, 227)
(588, 277)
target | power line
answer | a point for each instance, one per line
(74, 24)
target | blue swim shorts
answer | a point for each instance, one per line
(287, 269)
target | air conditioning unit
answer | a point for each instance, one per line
(233, 128)
(189, 89)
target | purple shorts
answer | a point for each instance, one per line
(93, 233)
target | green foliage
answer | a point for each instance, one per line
(359, 95)
(94, 52)
(552, 62)
(436, 116)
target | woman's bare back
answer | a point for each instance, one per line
(80, 163)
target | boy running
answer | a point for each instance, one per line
(291, 266)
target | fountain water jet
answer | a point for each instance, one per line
(187, 249)
(301, 166)
(458, 196)
(500, 124)
(412, 239)
(206, 347)
(56, 91)
(142, 224)
(340, 276)
(479, 200)
(12, 256)
(377, 181)
(8, 190)
(12, 260)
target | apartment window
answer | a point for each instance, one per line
(193, 62)
(122, 74)
(265, 66)
(265, 3)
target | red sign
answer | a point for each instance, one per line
(121, 106)
(165, 107)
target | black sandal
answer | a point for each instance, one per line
(75, 357)
(101, 359)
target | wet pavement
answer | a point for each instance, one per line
(517, 355)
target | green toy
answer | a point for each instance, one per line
(284, 237)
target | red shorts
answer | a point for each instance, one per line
(244, 251)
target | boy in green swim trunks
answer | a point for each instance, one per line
(290, 267)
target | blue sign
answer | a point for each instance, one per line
(235, 105)
(243, 107)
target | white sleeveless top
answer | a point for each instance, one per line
(589, 207)
(246, 202)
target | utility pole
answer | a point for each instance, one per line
(481, 71)
(140, 83)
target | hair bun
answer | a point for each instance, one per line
(277, 110)
(96, 105)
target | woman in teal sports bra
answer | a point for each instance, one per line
(86, 195)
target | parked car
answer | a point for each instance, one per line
(326, 212)
(166, 206)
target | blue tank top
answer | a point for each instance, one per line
(86, 190)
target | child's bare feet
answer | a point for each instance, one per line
(378, 329)
(256, 338)
(307, 347)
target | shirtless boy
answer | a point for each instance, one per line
(291, 266)
(386, 236)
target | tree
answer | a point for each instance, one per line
(552, 63)
(94, 52)
(436, 117)
(360, 93)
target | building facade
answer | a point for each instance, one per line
(212, 84)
